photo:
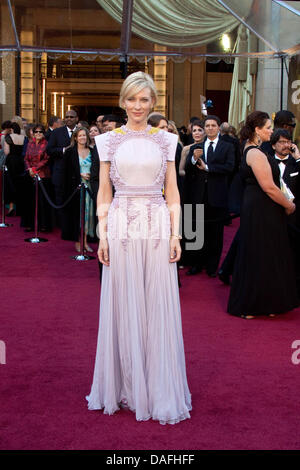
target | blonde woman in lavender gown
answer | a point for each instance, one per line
(140, 361)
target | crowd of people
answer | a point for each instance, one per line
(62, 156)
(215, 167)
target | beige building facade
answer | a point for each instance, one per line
(36, 85)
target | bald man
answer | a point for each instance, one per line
(60, 138)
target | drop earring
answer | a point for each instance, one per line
(258, 140)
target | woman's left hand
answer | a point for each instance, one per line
(175, 250)
(85, 176)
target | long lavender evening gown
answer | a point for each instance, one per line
(140, 361)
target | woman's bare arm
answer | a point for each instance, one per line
(104, 198)
(173, 202)
(6, 148)
(258, 161)
(184, 153)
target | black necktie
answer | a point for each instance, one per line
(210, 152)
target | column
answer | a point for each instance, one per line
(268, 83)
(160, 77)
(7, 69)
(187, 83)
(28, 77)
(43, 90)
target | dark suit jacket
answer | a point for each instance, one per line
(237, 151)
(48, 134)
(59, 139)
(220, 168)
(95, 167)
(291, 177)
(292, 168)
(70, 171)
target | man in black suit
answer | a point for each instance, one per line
(287, 158)
(59, 140)
(207, 172)
(54, 123)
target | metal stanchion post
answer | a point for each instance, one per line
(36, 239)
(82, 256)
(3, 224)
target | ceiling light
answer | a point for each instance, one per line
(225, 42)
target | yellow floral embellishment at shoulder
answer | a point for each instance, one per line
(119, 130)
(154, 130)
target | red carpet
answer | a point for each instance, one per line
(245, 389)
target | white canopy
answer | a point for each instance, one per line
(182, 28)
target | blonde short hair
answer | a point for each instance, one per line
(134, 83)
(18, 120)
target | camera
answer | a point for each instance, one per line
(198, 146)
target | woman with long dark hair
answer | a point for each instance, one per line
(198, 134)
(187, 185)
(93, 131)
(263, 281)
(76, 167)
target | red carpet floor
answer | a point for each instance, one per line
(245, 388)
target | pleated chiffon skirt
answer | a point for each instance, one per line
(140, 360)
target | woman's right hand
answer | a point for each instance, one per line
(103, 252)
(289, 210)
(198, 153)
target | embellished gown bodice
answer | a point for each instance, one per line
(138, 168)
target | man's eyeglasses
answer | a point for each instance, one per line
(68, 116)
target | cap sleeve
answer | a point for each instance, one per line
(172, 140)
(102, 147)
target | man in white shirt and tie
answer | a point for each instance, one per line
(208, 171)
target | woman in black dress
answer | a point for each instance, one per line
(263, 281)
(13, 148)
